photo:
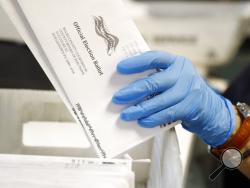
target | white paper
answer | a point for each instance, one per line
(64, 172)
(79, 43)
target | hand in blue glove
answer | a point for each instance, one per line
(183, 95)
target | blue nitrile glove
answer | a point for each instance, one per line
(183, 95)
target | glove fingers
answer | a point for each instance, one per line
(153, 84)
(165, 100)
(181, 111)
(146, 61)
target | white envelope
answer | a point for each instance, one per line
(78, 44)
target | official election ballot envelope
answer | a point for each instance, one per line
(78, 43)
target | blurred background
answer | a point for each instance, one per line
(214, 35)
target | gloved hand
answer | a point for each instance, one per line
(182, 95)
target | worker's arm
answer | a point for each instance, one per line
(245, 166)
(180, 94)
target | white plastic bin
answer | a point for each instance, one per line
(37, 122)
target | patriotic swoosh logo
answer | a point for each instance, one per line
(101, 30)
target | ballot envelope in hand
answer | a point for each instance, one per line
(78, 44)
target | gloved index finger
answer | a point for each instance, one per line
(146, 61)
